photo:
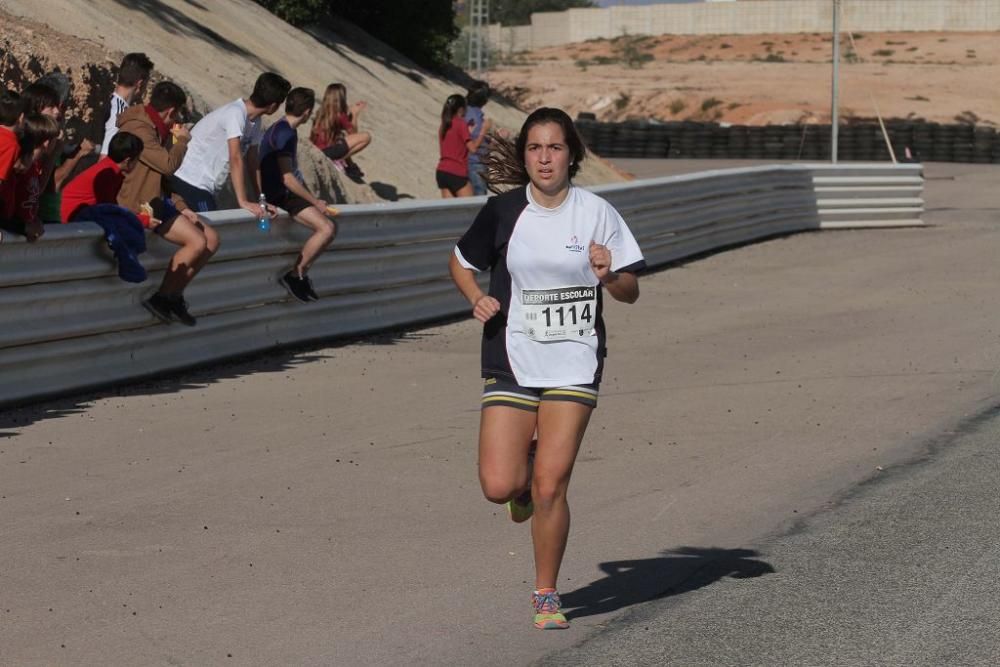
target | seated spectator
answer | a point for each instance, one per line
(476, 98)
(130, 85)
(453, 168)
(226, 141)
(21, 193)
(283, 186)
(164, 144)
(93, 197)
(44, 99)
(335, 130)
(64, 158)
(11, 117)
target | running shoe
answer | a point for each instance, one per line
(310, 292)
(295, 285)
(520, 508)
(179, 308)
(159, 306)
(548, 610)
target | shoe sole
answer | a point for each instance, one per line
(157, 314)
(552, 625)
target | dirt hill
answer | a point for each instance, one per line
(762, 79)
(216, 50)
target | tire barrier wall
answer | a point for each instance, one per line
(70, 323)
(856, 142)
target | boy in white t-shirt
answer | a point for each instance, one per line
(225, 144)
(131, 84)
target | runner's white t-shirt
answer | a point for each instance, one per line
(549, 295)
(118, 106)
(206, 163)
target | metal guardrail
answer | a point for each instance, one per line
(70, 324)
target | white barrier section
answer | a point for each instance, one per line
(70, 324)
(744, 18)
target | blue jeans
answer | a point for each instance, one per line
(476, 178)
(124, 234)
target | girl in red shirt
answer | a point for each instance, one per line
(456, 144)
(335, 130)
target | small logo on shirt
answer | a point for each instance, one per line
(574, 245)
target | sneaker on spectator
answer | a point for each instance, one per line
(340, 165)
(353, 172)
(159, 306)
(310, 292)
(296, 286)
(178, 306)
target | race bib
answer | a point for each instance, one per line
(559, 314)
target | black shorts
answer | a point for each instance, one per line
(450, 182)
(337, 150)
(198, 200)
(293, 203)
(498, 391)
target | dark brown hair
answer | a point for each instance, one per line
(505, 162)
(452, 106)
(299, 101)
(135, 67)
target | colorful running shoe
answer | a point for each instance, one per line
(521, 508)
(548, 610)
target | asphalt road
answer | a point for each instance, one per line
(321, 507)
(902, 572)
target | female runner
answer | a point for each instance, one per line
(552, 249)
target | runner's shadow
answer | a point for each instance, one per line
(677, 571)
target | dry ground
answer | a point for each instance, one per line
(761, 79)
(322, 507)
(216, 50)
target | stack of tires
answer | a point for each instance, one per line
(860, 141)
(982, 144)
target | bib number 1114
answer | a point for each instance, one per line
(562, 313)
(568, 316)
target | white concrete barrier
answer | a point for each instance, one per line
(758, 17)
(70, 324)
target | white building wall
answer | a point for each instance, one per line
(761, 16)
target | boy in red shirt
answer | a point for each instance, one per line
(93, 197)
(19, 210)
(11, 116)
(100, 183)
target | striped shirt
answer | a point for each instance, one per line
(118, 105)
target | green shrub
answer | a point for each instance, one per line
(710, 103)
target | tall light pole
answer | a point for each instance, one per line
(835, 92)
(479, 19)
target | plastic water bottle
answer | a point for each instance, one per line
(264, 224)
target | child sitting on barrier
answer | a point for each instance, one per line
(11, 117)
(41, 99)
(133, 74)
(335, 130)
(20, 192)
(164, 144)
(227, 141)
(93, 197)
(282, 184)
